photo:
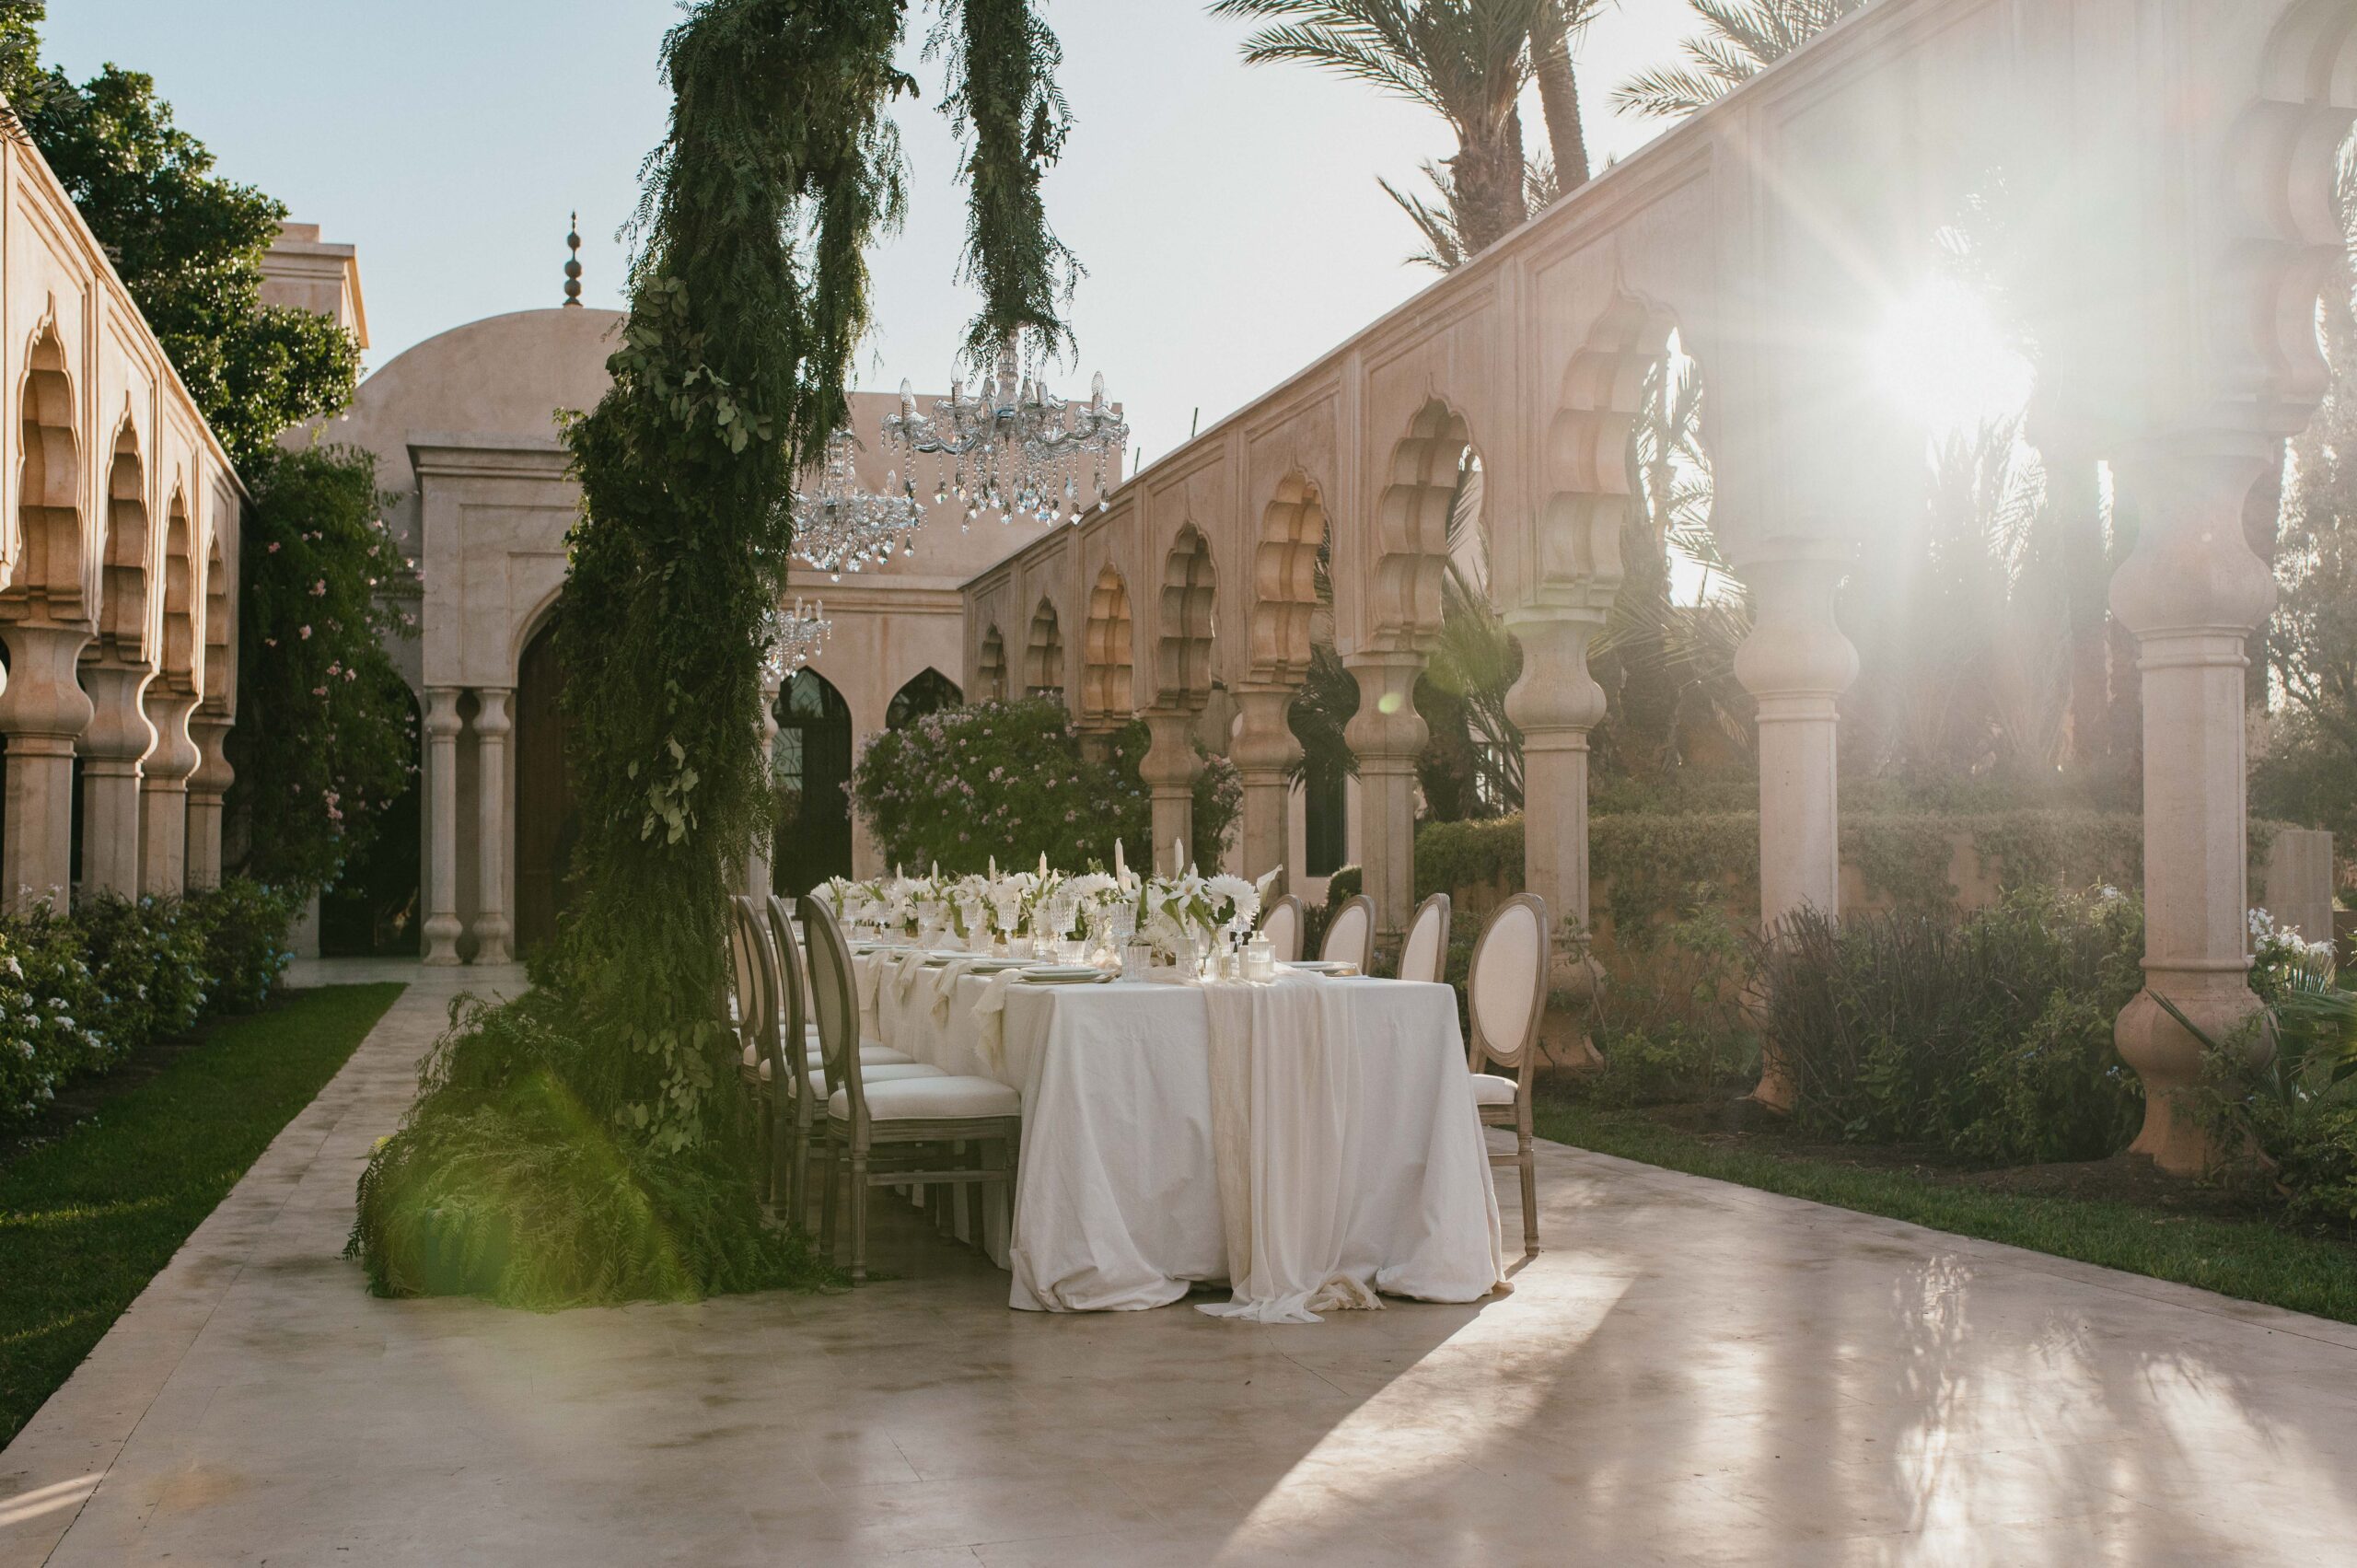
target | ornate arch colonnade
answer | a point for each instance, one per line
(2166, 166)
(118, 515)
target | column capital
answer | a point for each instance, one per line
(491, 715)
(2192, 579)
(1386, 729)
(442, 721)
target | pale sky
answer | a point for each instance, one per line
(1229, 217)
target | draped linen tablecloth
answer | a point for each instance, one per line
(1347, 1100)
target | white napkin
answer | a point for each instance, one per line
(867, 971)
(945, 986)
(906, 975)
(990, 1021)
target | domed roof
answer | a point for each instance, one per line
(504, 376)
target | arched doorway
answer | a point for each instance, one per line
(547, 826)
(373, 910)
(814, 758)
(928, 692)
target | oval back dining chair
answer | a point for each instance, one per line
(1350, 936)
(943, 1128)
(1505, 995)
(1424, 957)
(753, 980)
(1281, 926)
(803, 1067)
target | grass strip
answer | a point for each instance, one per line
(2254, 1259)
(86, 1220)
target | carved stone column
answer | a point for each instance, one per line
(492, 928)
(1796, 663)
(163, 792)
(1169, 768)
(1556, 703)
(442, 727)
(206, 787)
(42, 712)
(2191, 592)
(1387, 734)
(1264, 750)
(117, 737)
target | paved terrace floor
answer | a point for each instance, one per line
(1693, 1373)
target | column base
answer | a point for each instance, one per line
(441, 934)
(2169, 1061)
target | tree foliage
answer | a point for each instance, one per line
(2307, 763)
(1740, 39)
(326, 733)
(187, 242)
(612, 1114)
(1468, 62)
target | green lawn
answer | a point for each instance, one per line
(88, 1220)
(2253, 1258)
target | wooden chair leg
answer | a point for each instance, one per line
(827, 1214)
(769, 1146)
(858, 1215)
(1529, 1164)
(797, 1158)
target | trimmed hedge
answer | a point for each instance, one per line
(1644, 865)
(80, 993)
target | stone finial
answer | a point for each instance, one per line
(573, 265)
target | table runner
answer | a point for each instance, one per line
(1282, 1091)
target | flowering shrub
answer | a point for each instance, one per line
(1008, 780)
(326, 733)
(79, 992)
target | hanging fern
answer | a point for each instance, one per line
(750, 294)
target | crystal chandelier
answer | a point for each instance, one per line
(792, 638)
(839, 527)
(1015, 449)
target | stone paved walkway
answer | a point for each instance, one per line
(1693, 1373)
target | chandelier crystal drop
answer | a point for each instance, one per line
(839, 527)
(1016, 448)
(792, 637)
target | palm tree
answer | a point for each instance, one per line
(1469, 61)
(1742, 38)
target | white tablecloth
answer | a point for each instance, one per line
(1371, 1123)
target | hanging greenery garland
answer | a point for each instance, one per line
(591, 1143)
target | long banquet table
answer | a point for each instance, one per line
(1367, 1152)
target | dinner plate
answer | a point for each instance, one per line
(1063, 974)
(1322, 966)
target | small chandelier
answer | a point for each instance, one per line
(839, 527)
(792, 638)
(1015, 449)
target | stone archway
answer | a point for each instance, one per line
(171, 701)
(1107, 696)
(376, 909)
(548, 822)
(1043, 654)
(928, 692)
(42, 709)
(1283, 632)
(991, 673)
(814, 755)
(1182, 683)
(115, 670)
